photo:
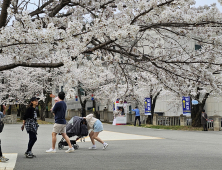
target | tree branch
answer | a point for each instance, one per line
(59, 7)
(36, 65)
(147, 11)
(4, 13)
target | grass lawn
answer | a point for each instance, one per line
(188, 128)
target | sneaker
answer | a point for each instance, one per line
(51, 150)
(92, 147)
(70, 150)
(3, 159)
(29, 155)
(105, 145)
(26, 153)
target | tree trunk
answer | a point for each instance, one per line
(83, 103)
(153, 104)
(42, 111)
(22, 109)
(83, 111)
(196, 111)
(97, 115)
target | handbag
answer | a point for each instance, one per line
(1, 126)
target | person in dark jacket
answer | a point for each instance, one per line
(31, 125)
(204, 120)
(2, 114)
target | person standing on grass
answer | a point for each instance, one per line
(97, 127)
(59, 111)
(31, 125)
(137, 115)
(2, 114)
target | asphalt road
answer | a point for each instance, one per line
(129, 148)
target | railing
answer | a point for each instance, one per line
(168, 120)
(189, 121)
(210, 124)
(107, 116)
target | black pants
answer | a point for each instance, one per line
(204, 127)
(32, 140)
(0, 148)
(137, 117)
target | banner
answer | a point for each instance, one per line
(186, 105)
(147, 106)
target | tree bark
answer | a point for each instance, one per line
(97, 115)
(83, 103)
(196, 110)
(22, 108)
(153, 104)
(42, 111)
(33, 65)
(4, 13)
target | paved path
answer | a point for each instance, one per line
(129, 148)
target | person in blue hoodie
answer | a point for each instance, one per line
(137, 115)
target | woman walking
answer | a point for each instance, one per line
(2, 114)
(31, 125)
(97, 127)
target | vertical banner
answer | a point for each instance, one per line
(186, 105)
(147, 106)
(113, 106)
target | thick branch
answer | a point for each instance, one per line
(99, 46)
(147, 11)
(179, 25)
(4, 13)
(42, 65)
(40, 10)
(59, 7)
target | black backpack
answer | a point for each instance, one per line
(83, 128)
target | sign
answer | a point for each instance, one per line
(121, 120)
(186, 105)
(147, 106)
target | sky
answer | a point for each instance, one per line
(208, 2)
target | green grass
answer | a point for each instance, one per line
(188, 128)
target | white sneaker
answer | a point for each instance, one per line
(3, 159)
(51, 150)
(92, 147)
(70, 150)
(105, 145)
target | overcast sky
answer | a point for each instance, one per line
(208, 2)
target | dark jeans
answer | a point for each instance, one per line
(32, 140)
(205, 127)
(0, 148)
(137, 117)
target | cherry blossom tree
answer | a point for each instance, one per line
(152, 36)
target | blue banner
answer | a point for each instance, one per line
(147, 106)
(186, 105)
